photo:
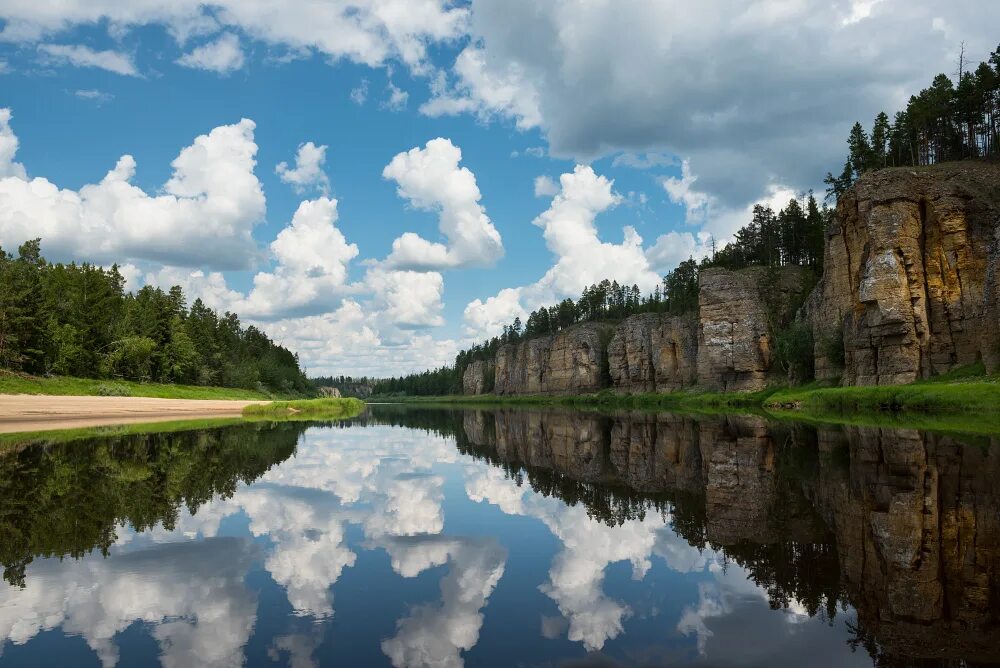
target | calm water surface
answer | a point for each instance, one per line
(415, 537)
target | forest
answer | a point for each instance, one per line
(78, 320)
(946, 121)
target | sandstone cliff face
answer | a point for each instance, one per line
(653, 352)
(573, 360)
(735, 344)
(910, 277)
(476, 379)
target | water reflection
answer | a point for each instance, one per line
(503, 537)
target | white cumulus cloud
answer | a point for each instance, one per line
(431, 179)
(222, 56)
(308, 171)
(204, 214)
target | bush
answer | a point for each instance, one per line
(794, 350)
(113, 390)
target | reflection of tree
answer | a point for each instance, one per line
(67, 499)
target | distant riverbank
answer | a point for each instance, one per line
(971, 404)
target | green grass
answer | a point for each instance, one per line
(684, 400)
(11, 383)
(965, 390)
(305, 409)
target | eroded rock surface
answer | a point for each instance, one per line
(910, 281)
(735, 342)
(573, 360)
(654, 352)
(477, 378)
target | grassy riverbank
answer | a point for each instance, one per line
(11, 383)
(963, 398)
(305, 409)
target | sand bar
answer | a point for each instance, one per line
(39, 412)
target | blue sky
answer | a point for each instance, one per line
(668, 123)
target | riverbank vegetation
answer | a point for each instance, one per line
(12, 383)
(77, 320)
(305, 409)
(968, 398)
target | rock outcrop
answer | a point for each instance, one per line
(478, 378)
(910, 282)
(735, 342)
(654, 352)
(574, 360)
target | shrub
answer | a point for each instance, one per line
(113, 390)
(794, 351)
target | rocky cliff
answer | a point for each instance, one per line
(654, 352)
(478, 378)
(911, 276)
(574, 360)
(911, 289)
(735, 341)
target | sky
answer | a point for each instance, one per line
(379, 183)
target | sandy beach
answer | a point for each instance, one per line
(36, 412)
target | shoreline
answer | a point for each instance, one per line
(43, 412)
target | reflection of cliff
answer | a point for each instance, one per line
(66, 499)
(917, 526)
(903, 525)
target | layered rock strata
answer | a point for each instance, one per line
(477, 378)
(654, 352)
(735, 341)
(574, 360)
(910, 284)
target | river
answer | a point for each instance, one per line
(426, 537)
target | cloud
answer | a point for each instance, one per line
(431, 180)
(5, 67)
(397, 97)
(308, 171)
(407, 299)
(569, 229)
(370, 33)
(8, 148)
(203, 216)
(359, 95)
(222, 56)
(545, 186)
(309, 277)
(751, 93)
(486, 91)
(98, 97)
(78, 55)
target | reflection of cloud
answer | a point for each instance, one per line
(308, 536)
(299, 647)
(720, 597)
(435, 635)
(589, 547)
(193, 593)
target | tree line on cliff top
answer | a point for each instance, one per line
(78, 320)
(944, 122)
